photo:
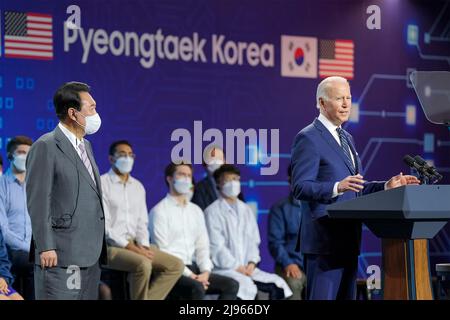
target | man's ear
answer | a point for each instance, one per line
(111, 159)
(321, 102)
(71, 113)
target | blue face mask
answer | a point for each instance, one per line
(124, 164)
(19, 162)
(182, 185)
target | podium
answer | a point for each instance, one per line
(404, 218)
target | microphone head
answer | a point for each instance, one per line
(409, 160)
(420, 160)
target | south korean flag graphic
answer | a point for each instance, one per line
(298, 57)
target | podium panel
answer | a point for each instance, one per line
(404, 218)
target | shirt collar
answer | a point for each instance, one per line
(10, 177)
(174, 201)
(69, 134)
(116, 179)
(327, 123)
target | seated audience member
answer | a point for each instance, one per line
(6, 278)
(234, 238)
(206, 189)
(127, 234)
(178, 227)
(14, 218)
(284, 224)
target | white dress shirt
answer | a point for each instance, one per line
(180, 230)
(125, 206)
(333, 130)
(72, 138)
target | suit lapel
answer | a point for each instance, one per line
(66, 147)
(328, 137)
(94, 167)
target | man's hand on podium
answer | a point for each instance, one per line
(401, 180)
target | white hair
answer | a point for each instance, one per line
(322, 88)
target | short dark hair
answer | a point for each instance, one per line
(225, 168)
(67, 96)
(172, 167)
(15, 142)
(113, 146)
(1, 160)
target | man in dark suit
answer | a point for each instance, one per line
(285, 218)
(205, 191)
(65, 201)
(325, 169)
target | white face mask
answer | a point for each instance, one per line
(19, 162)
(124, 164)
(231, 189)
(93, 123)
(214, 165)
(183, 185)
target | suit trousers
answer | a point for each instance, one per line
(331, 277)
(67, 283)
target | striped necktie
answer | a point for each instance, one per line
(85, 159)
(346, 148)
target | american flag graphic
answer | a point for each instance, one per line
(336, 58)
(28, 35)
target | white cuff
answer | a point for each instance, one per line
(187, 272)
(335, 191)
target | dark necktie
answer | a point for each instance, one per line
(346, 148)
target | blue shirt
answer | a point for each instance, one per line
(5, 264)
(284, 224)
(14, 218)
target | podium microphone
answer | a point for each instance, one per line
(413, 164)
(430, 169)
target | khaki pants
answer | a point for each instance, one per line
(165, 268)
(296, 285)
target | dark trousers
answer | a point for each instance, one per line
(187, 288)
(274, 292)
(62, 283)
(22, 270)
(331, 277)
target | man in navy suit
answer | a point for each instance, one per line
(325, 169)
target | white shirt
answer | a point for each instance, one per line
(234, 235)
(333, 130)
(125, 207)
(180, 230)
(72, 138)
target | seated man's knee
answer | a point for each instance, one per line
(144, 267)
(197, 291)
(177, 265)
(231, 286)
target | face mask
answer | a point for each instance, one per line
(182, 186)
(231, 189)
(19, 162)
(214, 165)
(124, 164)
(93, 123)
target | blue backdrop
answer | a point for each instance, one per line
(146, 104)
